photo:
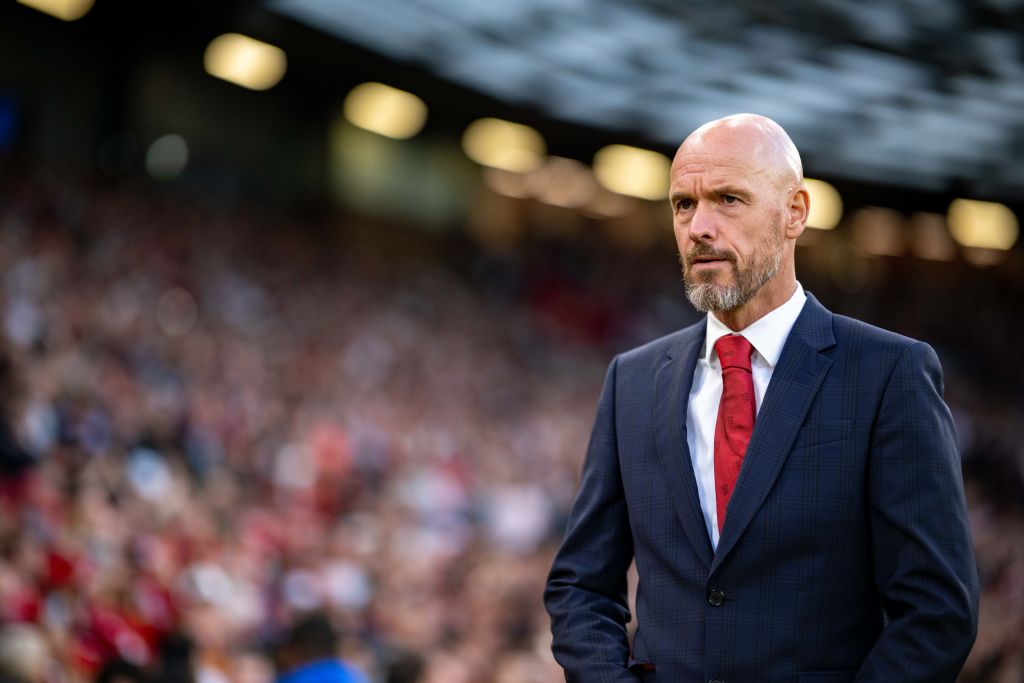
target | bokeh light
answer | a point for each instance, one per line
(985, 225)
(245, 61)
(66, 10)
(633, 171)
(385, 110)
(167, 157)
(504, 145)
(826, 205)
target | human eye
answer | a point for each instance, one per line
(730, 199)
(684, 204)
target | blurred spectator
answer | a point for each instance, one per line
(309, 654)
(402, 666)
(14, 459)
(174, 662)
(120, 671)
(24, 654)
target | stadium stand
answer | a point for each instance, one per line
(215, 427)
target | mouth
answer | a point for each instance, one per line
(706, 261)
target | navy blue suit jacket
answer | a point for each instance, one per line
(845, 555)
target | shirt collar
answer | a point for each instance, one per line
(767, 334)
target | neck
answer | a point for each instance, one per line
(774, 293)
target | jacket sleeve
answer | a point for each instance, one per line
(587, 588)
(922, 553)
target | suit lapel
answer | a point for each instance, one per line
(672, 391)
(794, 384)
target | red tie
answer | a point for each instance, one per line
(735, 417)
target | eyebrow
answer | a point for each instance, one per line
(730, 189)
(718, 191)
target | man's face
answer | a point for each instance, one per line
(728, 222)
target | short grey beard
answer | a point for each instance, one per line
(705, 296)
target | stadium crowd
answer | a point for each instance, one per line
(224, 429)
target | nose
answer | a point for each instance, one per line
(702, 226)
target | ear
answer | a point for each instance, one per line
(797, 210)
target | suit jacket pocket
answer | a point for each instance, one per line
(643, 670)
(821, 433)
(827, 676)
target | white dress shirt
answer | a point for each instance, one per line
(767, 335)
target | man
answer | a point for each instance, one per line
(309, 654)
(798, 516)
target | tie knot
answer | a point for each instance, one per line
(734, 351)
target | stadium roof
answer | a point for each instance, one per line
(921, 93)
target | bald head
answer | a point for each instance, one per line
(738, 205)
(750, 139)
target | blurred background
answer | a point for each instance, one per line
(305, 304)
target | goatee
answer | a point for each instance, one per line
(706, 296)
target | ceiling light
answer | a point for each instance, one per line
(503, 144)
(68, 10)
(245, 61)
(985, 225)
(633, 171)
(826, 205)
(386, 111)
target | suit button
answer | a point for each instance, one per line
(716, 680)
(716, 598)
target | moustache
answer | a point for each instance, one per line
(703, 250)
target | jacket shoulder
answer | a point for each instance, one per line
(861, 345)
(667, 345)
(859, 334)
